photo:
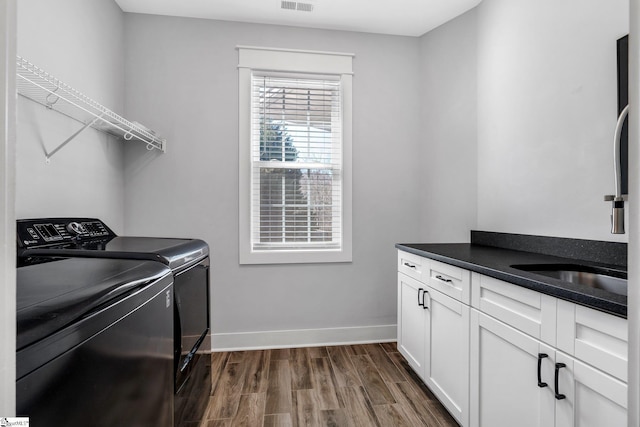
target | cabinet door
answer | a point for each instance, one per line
(447, 353)
(591, 397)
(504, 388)
(411, 322)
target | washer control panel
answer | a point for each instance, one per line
(33, 233)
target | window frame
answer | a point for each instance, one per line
(287, 61)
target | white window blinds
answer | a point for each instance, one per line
(296, 163)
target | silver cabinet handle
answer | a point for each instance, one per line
(410, 265)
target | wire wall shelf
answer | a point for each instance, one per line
(39, 86)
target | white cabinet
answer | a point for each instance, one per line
(597, 338)
(526, 310)
(447, 353)
(433, 328)
(591, 397)
(412, 326)
(504, 382)
(579, 353)
(516, 357)
(411, 265)
(518, 380)
(450, 280)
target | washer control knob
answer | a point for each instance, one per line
(76, 228)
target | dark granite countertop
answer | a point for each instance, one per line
(496, 262)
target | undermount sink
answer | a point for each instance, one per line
(595, 277)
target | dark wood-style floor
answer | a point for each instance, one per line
(354, 385)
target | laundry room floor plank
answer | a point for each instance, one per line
(343, 368)
(354, 385)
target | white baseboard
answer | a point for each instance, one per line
(302, 338)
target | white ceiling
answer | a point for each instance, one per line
(399, 17)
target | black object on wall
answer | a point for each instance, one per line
(623, 100)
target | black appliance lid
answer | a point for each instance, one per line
(172, 252)
(55, 294)
(90, 237)
(175, 253)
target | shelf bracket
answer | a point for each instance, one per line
(48, 156)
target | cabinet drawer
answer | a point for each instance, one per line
(450, 280)
(411, 265)
(528, 311)
(597, 338)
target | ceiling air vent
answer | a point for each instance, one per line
(305, 7)
(292, 5)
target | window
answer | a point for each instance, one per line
(295, 156)
(296, 163)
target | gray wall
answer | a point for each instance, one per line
(182, 79)
(81, 43)
(546, 115)
(519, 112)
(448, 131)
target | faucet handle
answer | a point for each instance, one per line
(617, 213)
(617, 220)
